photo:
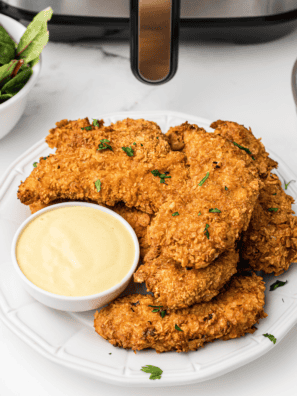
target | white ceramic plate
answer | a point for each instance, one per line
(70, 340)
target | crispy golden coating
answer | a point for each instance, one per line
(79, 162)
(177, 287)
(129, 322)
(245, 138)
(138, 220)
(64, 131)
(214, 210)
(270, 243)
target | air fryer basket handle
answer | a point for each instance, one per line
(154, 39)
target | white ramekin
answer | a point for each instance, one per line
(12, 110)
(74, 304)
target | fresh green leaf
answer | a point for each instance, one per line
(34, 61)
(6, 72)
(156, 172)
(242, 148)
(14, 85)
(103, 145)
(128, 150)
(272, 209)
(35, 164)
(134, 144)
(162, 313)
(271, 337)
(206, 231)
(215, 210)
(5, 37)
(177, 328)
(155, 372)
(7, 52)
(199, 213)
(96, 122)
(87, 128)
(110, 353)
(204, 179)
(277, 284)
(98, 185)
(226, 188)
(274, 194)
(35, 37)
(4, 98)
(156, 310)
(287, 184)
(253, 158)
(175, 214)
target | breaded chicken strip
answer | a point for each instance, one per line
(138, 220)
(129, 322)
(197, 225)
(62, 134)
(122, 160)
(270, 243)
(177, 287)
(244, 137)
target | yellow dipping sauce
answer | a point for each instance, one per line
(75, 251)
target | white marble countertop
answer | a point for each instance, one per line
(249, 84)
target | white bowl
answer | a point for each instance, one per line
(12, 109)
(74, 304)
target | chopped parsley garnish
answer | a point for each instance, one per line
(45, 157)
(243, 148)
(204, 179)
(96, 123)
(141, 144)
(272, 209)
(128, 150)
(162, 176)
(98, 185)
(271, 337)
(134, 144)
(35, 164)
(110, 353)
(157, 308)
(287, 184)
(87, 128)
(274, 194)
(175, 214)
(226, 188)
(215, 210)
(155, 372)
(206, 231)
(199, 213)
(103, 145)
(277, 284)
(177, 328)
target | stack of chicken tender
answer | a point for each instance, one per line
(219, 209)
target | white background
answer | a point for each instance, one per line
(249, 84)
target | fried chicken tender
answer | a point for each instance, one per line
(129, 322)
(270, 243)
(177, 287)
(138, 220)
(214, 210)
(245, 138)
(86, 156)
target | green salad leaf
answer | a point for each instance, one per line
(17, 83)
(155, 372)
(16, 61)
(4, 97)
(35, 37)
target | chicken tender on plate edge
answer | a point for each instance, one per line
(135, 322)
